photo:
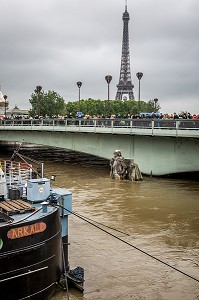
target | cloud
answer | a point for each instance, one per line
(56, 43)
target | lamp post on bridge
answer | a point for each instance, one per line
(5, 98)
(139, 76)
(108, 79)
(79, 84)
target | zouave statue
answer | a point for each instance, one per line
(122, 168)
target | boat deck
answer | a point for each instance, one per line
(18, 210)
(11, 207)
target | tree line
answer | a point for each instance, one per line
(52, 104)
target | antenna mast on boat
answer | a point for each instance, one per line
(39, 171)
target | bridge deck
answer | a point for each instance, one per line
(172, 128)
(158, 147)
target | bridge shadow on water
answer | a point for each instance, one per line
(187, 176)
(43, 153)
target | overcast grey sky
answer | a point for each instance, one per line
(55, 43)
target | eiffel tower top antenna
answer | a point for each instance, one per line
(125, 5)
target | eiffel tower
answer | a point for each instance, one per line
(125, 86)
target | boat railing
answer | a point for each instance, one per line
(16, 172)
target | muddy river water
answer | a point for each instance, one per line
(154, 255)
(158, 216)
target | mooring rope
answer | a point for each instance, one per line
(66, 281)
(28, 158)
(16, 150)
(103, 224)
(129, 244)
(25, 158)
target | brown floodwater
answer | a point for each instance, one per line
(158, 216)
(155, 220)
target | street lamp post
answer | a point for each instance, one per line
(108, 80)
(37, 92)
(155, 101)
(5, 98)
(79, 84)
(139, 76)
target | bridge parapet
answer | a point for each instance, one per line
(150, 127)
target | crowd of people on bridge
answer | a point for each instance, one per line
(157, 115)
(142, 116)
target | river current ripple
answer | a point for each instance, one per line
(160, 216)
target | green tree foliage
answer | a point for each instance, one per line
(52, 104)
(151, 106)
(118, 107)
(105, 107)
(49, 103)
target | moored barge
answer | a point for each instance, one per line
(33, 233)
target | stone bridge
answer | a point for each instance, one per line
(159, 147)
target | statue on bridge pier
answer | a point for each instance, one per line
(122, 168)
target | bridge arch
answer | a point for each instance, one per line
(155, 155)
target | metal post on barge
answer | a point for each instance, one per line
(63, 199)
